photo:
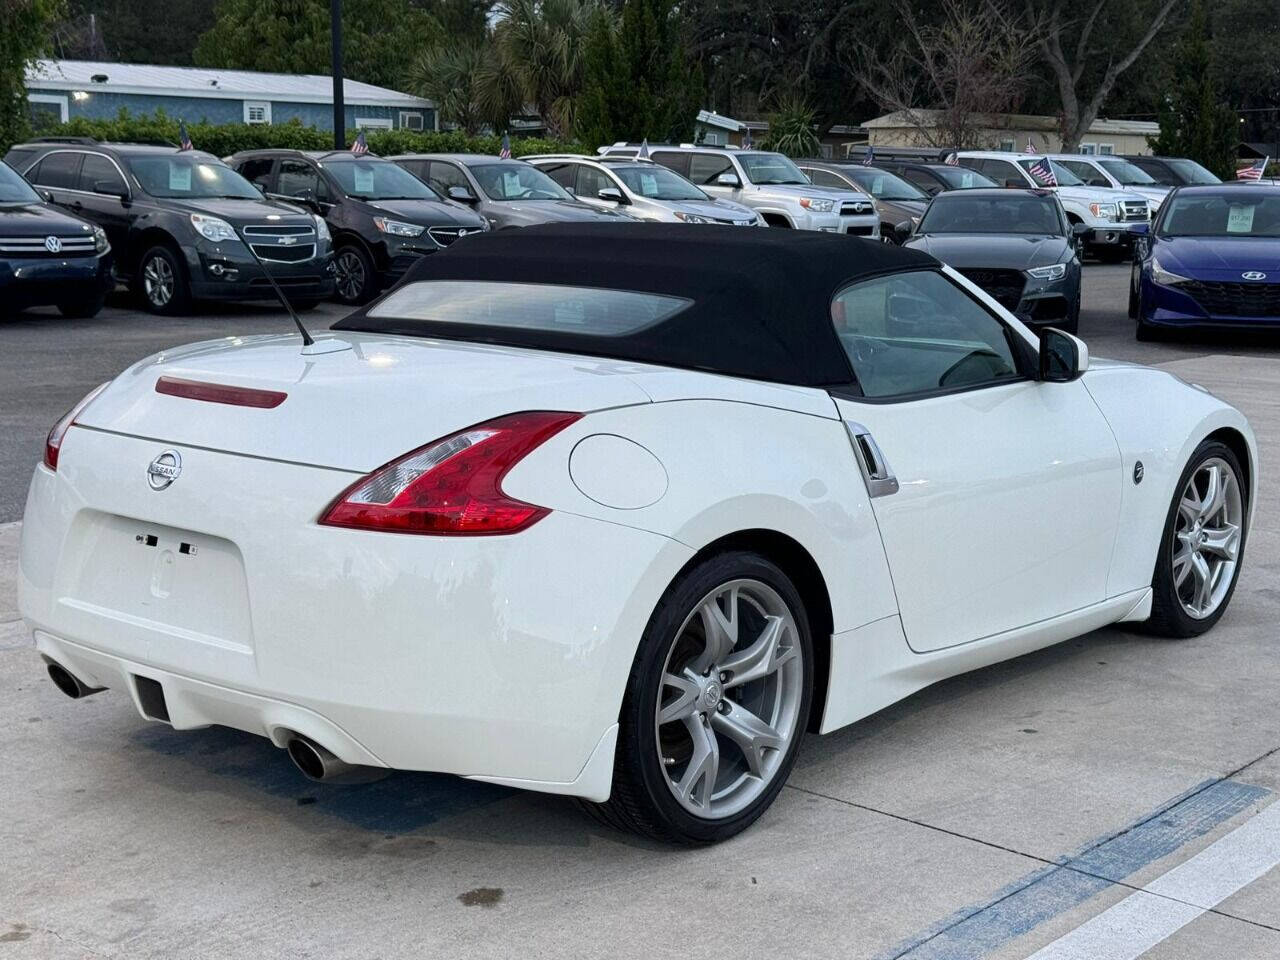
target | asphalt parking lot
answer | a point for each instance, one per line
(1059, 805)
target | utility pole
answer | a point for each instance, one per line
(339, 108)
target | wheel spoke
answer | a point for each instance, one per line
(1214, 493)
(1203, 582)
(1222, 541)
(760, 659)
(720, 626)
(1189, 509)
(699, 779)
(685, 700)
(751, 734)
(1182, 566)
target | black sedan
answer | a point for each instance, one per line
(1016, 244)
(48, 257)
(896, 200)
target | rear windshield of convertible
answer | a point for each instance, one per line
(586, 311)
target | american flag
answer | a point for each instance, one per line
(643, 152)
(953, 159)
(746, 138)
(360, 145)
(1253, 171)
(504, 151)
(184, 138)
(870, 157)
(1031, 147)
(1042, 173)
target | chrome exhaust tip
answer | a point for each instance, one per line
(317, 763)
(69, 683)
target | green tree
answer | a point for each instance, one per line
(471, 89)
(637, 81)
(25, 27)
(125, 30)
(380, 38)
(791, 129)
(1194, 122)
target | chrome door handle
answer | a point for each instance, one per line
(875, 468)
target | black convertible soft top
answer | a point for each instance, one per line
(760, 298)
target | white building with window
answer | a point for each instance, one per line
(1013, 131)
(58, 90)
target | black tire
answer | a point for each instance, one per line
(1144, 331)
(82, 308)
(302, 306)
(1133, 294)
(357, 282)
(1168, 618)
(159, 265)
(642, 800)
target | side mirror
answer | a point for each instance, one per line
(111, 188)
(612, 194)
(1063, 358)
(902, 231)
(45, 195)
(461, 195)
(728, 180)
(1140, 229)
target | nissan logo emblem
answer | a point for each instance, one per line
(53, 244)
(164, 469)
(1248, 275)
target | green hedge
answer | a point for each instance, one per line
(224, 139)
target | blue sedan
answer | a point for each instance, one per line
(1212, 259)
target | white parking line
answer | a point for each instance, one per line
(1171, 901)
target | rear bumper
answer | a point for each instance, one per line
(499, 658)
(39, 282)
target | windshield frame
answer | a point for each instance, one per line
(328, 164)
(132, 162)
(619, 171)
(20, 183)
(742, 158)
(965, 197)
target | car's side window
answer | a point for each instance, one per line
(673, 160)
(298, 178)
(258, 172)
(561, 173)
(1001, 171)
(824, 178)
(99, 175)
(917, 333)
(925, 181)
(61, 169)
(705, 167)
(445, 175)
(591, 181)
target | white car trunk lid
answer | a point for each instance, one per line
(353, 409)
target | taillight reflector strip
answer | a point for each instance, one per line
(220, 393)
(452, 487)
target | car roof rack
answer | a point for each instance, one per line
(919, 154)
(84, 140)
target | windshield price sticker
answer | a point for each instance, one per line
(511, 185)
(364, 178)
(180, 177)
(648, 184)
(1240, 220)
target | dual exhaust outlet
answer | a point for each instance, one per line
(312, 760)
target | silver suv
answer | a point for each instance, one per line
(768, 183)
(642, 188)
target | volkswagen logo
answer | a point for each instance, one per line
(164, 469)
(1247, 275)
(53, 244)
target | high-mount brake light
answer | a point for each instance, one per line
(453, 486)
(53, 442)
(220, 393)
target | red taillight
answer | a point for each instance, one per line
(220, 393)
(53, 442)
(452, 486)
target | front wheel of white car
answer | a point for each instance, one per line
(716, 705)
(1203, 544)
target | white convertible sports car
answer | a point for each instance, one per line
(619, 512)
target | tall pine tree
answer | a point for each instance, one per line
(1194, 122)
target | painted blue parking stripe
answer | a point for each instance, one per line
(1020, 907)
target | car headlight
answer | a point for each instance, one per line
(322, 229)
(691, 217)
(817, 204)
(1162, 276)
(1103, 211)
(100, 243)
(213, 228)
(398, 228)
(1054, 272)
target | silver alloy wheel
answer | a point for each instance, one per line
(728, 710)
(157, 281)
(350, 274)
(1206, 537)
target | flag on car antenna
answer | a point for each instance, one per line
(953, 159)
(504, 152)
(643, 152)
(870, 158)
(360, 145)
(1042, 173)
(1031, 147)
(184, 138)
(1253, 171)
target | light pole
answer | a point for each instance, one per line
(339, 108)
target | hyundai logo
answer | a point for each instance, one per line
(1247, 275)
(164, 469)
(53, 244)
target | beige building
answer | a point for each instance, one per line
(1013, 131)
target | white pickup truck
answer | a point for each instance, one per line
(1109, 213)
